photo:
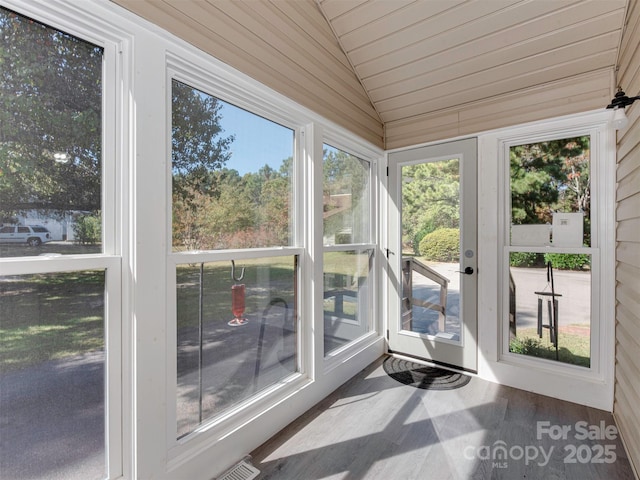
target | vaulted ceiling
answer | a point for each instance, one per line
(414, 57)
(401, 72)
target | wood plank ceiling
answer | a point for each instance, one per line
(416, 57)
(420, 69)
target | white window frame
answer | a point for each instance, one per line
(141, 233)
(198, 72)
(212, 83)
(334, 358)
(594, 371)
(592, 386)
(115, 184)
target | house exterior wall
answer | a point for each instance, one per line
(61, 226)
(627, 387)
(286, 45)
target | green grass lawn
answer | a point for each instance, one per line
(264, 278)
(573, 344)
(62, 248)
(50, 316)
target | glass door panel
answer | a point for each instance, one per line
(432, 225)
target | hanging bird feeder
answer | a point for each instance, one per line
(237, 298)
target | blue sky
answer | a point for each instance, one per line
(257, 141)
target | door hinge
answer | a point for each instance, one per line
(387, 171)
(387, 334)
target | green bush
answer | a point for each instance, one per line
(420, 234)
(87, 229)
(568, 261)
(525, 259)
(342, 238)
(527, 346)
(442, 245)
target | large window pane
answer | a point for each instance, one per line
(50, 140)
(347, 297)
(235, 338)
(346, 198)
(550, 306)
(550, 293)
(431, 248)
(232, 175)
(551, 193)
(52, 365)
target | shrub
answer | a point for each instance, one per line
(442, 245)
(567, 261)
(420, 234)
(525, 259)
(87, 229)
(342, 238)
(527, 346)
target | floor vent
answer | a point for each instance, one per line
(241, 471)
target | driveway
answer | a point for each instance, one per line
(574, 306)
(52, 420)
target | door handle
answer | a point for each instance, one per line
(467, 271)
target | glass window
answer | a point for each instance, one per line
(235, 337)
(347, 296)
(431, 248)
(232, 175)
(550, 261)
(551, 193)
(346, 198)
(53, 364)
(347, 270)
(52, 375)
(50, 139)
(550, 306)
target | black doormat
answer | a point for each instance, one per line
(421, 376)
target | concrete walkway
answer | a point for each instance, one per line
(574, 307)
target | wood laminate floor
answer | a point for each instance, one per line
(376, 428)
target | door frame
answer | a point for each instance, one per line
(458, 354)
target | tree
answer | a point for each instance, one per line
(198, 156)
(244, 212)
(50, 102)
(549, 176)
(197, 148)
(430, 199)
(345, 186)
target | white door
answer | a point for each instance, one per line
(432, 253)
